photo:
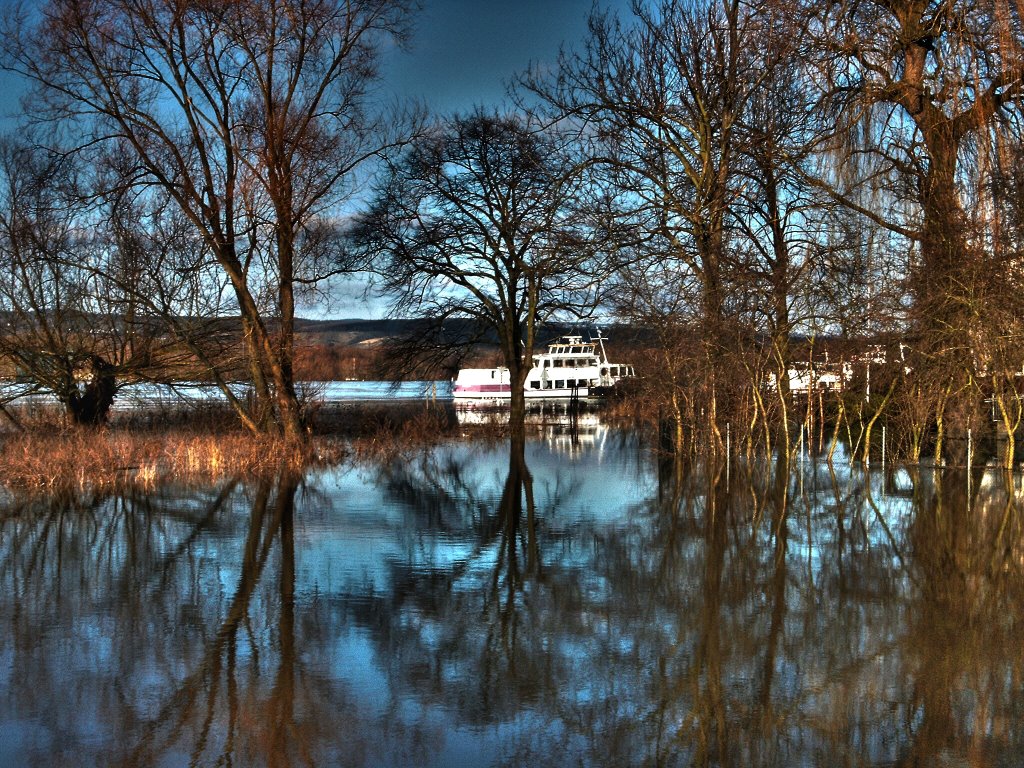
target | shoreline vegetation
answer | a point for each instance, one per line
(52, 455)
(200, 442)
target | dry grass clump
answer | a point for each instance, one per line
(92, 459)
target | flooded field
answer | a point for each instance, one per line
(174, 396)
(590, 603)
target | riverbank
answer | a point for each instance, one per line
(203, 445)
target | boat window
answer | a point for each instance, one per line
(558, 363)
(559, 384)
(492, 374)
(534, 385)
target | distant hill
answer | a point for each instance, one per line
(357, 331)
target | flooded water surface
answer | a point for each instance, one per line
(586, 603)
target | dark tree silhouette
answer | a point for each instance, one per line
(485, 219)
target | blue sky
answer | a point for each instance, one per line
(464, 51)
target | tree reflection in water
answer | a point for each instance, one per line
(522, 607)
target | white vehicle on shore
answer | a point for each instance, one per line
(571, 368)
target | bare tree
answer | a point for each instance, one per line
(916, 88)
(70, 330)
(250, 116)
(663, 93)
(782, 223)
(482, 219)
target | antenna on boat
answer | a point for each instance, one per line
(600, 340)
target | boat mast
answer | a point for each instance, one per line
(600, 340)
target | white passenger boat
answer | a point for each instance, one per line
(570, 368)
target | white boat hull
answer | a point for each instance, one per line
(505, 393)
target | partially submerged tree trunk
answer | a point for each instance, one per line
(948, 322)
(89, 399)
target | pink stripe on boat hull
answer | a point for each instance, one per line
(482, 388)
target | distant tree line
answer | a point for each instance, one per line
(731, 176)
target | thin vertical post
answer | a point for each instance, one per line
(970, 451)
(883, 448)
(728, 452)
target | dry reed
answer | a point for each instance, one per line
(94, 459)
